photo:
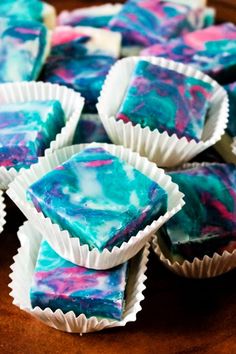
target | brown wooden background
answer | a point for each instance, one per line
(179, 316)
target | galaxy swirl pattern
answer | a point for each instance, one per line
(26, 130)
(60, 284)
(163, 99)
(107, 200)
(211, 50)
(207, 222)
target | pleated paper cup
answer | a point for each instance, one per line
(72, 104)
(208, 267)
(22, 274)
(2, 212)
(161, 148)
(69, 247)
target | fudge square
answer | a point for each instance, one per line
(98, 198)
(26, 129)
(211, 50)
(207, 222)
(60, 284)
(23, 49)
(80, 59)
(163, 99)
(146, 22)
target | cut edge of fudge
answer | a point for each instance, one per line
(128, 229)
(78, 301)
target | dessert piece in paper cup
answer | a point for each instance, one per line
(72, 248)
(2, 212)
(208, 267)
(22, 275)
(164, 148)
(213, 252)
(20, 92)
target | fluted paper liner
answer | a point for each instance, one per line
(69, 247)
(208, 267)
(2, 212)
(22, 273)
(71, 102)
(165, 150)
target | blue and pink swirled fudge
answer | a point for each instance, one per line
(90, 129)
(23, 49)
(29, 10)
(107, 200)
(80, 59)
(59, 284)
(207, 222)
(94, 16)
(163, 99)
(146, 22)
(26, 130)
(211, 50)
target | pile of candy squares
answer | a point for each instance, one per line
(118, 135)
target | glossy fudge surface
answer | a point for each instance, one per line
(90, 129)
(211, 50)
(59, 284)
(207, 222)
(231, 90)
(26, 129)
(25, 9)
(23, 48)
(166, 100)
(95, 16)
(107, 201)
(146, 22)
(76, 61)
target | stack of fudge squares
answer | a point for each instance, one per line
(158, 80)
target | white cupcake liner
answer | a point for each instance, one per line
(161, 148)
(71, 102)
(226, 147)
(69, 247)
(208, 267)
(2, 212)
(22, 273)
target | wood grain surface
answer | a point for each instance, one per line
(179, 316)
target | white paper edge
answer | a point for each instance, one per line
(69, 247)
(161, 148)
(21, 279)
(71, 102)
(208, 267)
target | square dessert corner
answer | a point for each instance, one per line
(24, 47)
(209, 190)
(27, 128)
(60, 284)
(152, 100)
(98, 198)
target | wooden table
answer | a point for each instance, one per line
(179, 315)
